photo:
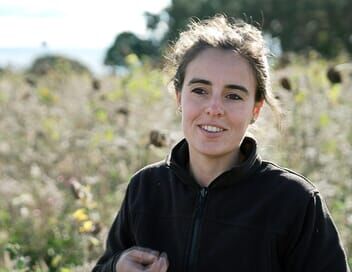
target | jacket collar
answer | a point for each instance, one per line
(178, 160)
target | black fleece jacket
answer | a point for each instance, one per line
(255, 217)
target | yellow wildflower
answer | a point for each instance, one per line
(80, 215)
(86, 227)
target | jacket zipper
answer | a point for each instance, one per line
(192, 256)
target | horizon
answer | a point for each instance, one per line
(68, 27)
(22, 58)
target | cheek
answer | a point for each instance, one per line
(187, 116)
(240, 113)
(189, 108)
(189, 119)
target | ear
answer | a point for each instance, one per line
(178, 97)
(257, 107)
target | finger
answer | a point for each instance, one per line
(125, 263)
(164, 262)
(145, 249)
(160, 265)
(142, 257)
(131, 268)
(154, 267)
(148, 250)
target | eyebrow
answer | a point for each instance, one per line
(229, 86)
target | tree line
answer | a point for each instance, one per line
(300, 25)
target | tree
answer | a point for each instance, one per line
(57, 64)
(127, 43)
(323, 25)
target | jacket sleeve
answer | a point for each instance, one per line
(316, 244)
(119, 239)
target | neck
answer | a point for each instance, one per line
(205, 169)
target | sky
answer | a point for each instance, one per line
(71, 23)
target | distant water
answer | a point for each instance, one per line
(21, 58)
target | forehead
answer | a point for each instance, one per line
(221, 66)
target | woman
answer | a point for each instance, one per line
(213, 204)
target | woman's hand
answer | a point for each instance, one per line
(138, 259)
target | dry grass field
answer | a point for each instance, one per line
(69, 143)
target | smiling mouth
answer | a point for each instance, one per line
(211, 129)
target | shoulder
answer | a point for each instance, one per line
(148, 187)
(150, 174)
(286, 181)
(291, 195)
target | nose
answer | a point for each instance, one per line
(215, 108)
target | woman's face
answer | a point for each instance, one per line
(218, 102)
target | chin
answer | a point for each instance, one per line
(215, 151)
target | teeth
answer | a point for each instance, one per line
(212, 129)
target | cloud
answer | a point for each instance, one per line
(68, 23)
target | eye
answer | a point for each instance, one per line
(198, 91)
(234, 96)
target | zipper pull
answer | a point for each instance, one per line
(203, 192)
